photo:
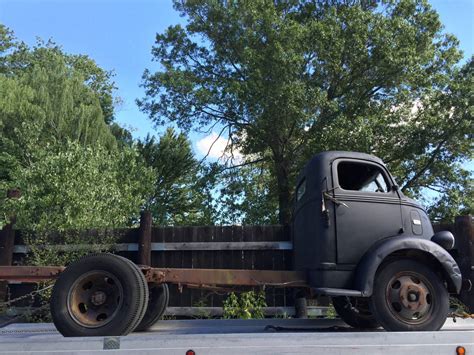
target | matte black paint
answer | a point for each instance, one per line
(340, 237)
(365, 272)
(445, 239)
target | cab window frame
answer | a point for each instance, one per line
(301, 189)
(382, 170)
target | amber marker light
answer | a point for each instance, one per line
(460, 350)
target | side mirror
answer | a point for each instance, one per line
(395, 187)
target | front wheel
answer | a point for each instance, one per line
(409, 296)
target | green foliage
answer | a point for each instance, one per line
(50, 99)
(79, 188)
(47, 248)
(201, 313)
(7, 41)
(122, 135)
(181, 195)
(55, 145)
(247, 305)
(331, 312)
(98, 80)
(16, 59)
(247, 196)
(289, 79)
(44, 103)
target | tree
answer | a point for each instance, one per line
(181, 195)
(122, 135)
(56, 147)
(246, 198)
(72, 187)
(6, 43)
(47, 105)
(16, 58)
(287, 79)
(99, 80)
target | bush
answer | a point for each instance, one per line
(247, 305)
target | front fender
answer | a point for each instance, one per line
(367, 267)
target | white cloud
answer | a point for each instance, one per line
(218, 145)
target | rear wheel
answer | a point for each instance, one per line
(355, 312)
(409, 296)
(158, 299)
(99, 295)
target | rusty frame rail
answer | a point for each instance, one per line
(199, 278)
(226, 277)
(29, 273)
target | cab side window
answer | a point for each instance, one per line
(361, 177)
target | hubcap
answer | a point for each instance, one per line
(410, 297)
(98, 298)
(94, 299)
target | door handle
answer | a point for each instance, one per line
(334, 200)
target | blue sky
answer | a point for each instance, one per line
(119, 34)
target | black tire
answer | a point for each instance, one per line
(158, 299)
(144, 283)
(99, 295)
(409, 296)
(355, 312)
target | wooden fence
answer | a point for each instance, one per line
(463, 252)
(208, 247)
(226, 247)
(213, 247)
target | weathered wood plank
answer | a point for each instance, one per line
(183, 246)
(144, 239)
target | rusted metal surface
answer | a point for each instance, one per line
(226, 277)
(196, 278)
(29, 273)
(88, 304)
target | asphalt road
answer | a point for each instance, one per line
(269, 336)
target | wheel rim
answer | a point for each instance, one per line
(410, 297)
(94, 299)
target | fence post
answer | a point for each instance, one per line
(7, 241)
(464, 234)
(144, 239)
(301, 308)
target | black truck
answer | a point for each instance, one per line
(356, 238)
(371, 248)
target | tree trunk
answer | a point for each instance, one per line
(284, 194)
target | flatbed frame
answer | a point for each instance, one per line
(197, 278)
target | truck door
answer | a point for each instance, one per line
(373, 207)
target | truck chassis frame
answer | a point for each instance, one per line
(196, 278)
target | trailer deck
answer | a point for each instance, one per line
(268, 336)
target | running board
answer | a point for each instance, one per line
(336, 292)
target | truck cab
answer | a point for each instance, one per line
(350, 223)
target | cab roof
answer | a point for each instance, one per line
(331, 155)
